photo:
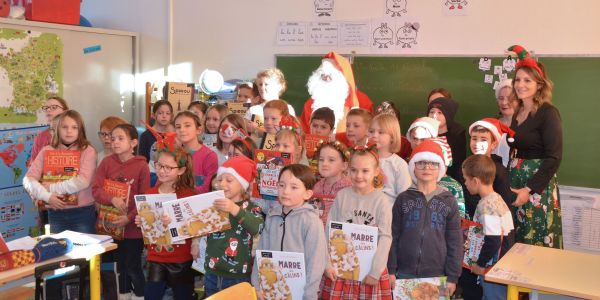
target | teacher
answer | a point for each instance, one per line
(537, 149)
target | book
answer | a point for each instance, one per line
(195, 216)
(61, 165)
(209, 140)
(268, 142)
(351, 249)
(238, 108)
(281, 275)
(311, 142)
(268, 164)
(107, 214)
(258, 120)
(150, 210)
(473, 238)
(179, 94)
(431, 288)
(3, 246)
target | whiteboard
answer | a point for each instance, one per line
(92, 82)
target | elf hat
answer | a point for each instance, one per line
(496, 127)
(428, 150)
(424, 127)
(240, 167)
(525, 59)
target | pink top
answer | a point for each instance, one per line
(42, 140)
(82, 181)
(327, 195)
(205, 166)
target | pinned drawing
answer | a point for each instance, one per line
(395, 7)
(383, 36)
(407, 34)
(324, 8)
(456, 4)
(509, 64)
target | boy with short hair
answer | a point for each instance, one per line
(427, 239)
(322, 122)
(493, 214)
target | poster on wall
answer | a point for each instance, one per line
(324, 8)
(455, 7)
(395, 8)
(18, 215)
(31, 71)
(390, 36)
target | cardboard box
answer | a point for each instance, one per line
(54, 11)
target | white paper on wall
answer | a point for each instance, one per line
(291, 34)
(353, 34)
(323, 34)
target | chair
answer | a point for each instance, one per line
(239, 291)
(45, 283)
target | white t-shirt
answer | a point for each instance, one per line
(258, 110)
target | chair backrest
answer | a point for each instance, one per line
(40, 274)
(239, 291)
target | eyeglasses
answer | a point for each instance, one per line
(158, 166)
(52, 107)
(103, 135)
(422, 165)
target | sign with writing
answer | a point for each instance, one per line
(179, 94)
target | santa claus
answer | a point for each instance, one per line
(332, 85)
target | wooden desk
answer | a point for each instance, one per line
(90, 252)
(562, 272)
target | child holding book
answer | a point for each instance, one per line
(274, 111)
(232, 126)
(385, 133)
(53, 107)
(70, 202)
(125, 167)
(364, 203)
(333, 163)
(294, 226)
(204, 160)
(427, 239)
(106, 126)
(290, 139)
(171, 265)
(322, 122)
(357, 128)
(229, 252)
(494, 216)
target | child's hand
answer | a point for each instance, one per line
(165, 219)
(392, 281)
(450, 288)
(119, 202)
(259, 294)
(195, 251)
(226, 205)
(121, 221)
(369, 280)
(56, 201)
(522, 196)
(476, 269)
(138, 220)
(331, 274)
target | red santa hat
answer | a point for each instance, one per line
(425, 127)
(240, 167)
(496, 127)
(427, 150)
(346, 68)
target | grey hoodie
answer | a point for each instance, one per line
(301, 230)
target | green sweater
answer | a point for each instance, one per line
(229, 252)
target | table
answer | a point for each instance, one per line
(89, 252)
(557, 271)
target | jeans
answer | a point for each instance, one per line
(214, 284)
(492, 291)
(80, 219)
(130, 266)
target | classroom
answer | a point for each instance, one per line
(415, 149)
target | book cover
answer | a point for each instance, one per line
(473, 237)
(268, 142)
(150, 210)
(209, 140)
(432, 288)
(179, 94)
(311, 141)
(282, 275)
(238, 108)
(268, 164)
(3, 246)
(195, 216)
(61, 165)
(258, 120)
(107, 214)
(351, 249)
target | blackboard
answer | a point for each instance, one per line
(408, 80)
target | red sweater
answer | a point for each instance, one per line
(181, 253)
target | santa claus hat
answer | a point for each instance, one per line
(525, 58)
(425, 127)
(428, 150)
(346, 68)
(496, 127)
(240, 167)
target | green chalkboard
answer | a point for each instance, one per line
(408, 80)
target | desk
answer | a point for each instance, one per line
(557, 271)
(90, 252)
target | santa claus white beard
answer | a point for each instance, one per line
(332, 93)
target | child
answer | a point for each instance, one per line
(322, 122)
(242, 146)
(294, 226)
(234, 178)
(333, 163)
(427, 239)
(69, 135)
(232, 127)
(364, 203)
(385, 132)
(444, 110)
(388, 107)
(162, 113)
(106, 127)
(53, 107)
(438, 93)
(245, 92)
(124, 166)
(214, 116)
(199, 108)
(357, 127)
(274, 111)
(421, 129)
(204, 160)
(171, 265)
(493, 214)
(289, 139)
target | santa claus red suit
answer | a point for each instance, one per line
(332, 85)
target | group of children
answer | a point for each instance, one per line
(416, 207)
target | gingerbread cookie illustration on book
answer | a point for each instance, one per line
(272, 281)
(343, 256)
(208, 220)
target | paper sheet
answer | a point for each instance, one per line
(580, 220)
(291, 34)
(354, 34)
(323, 34)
